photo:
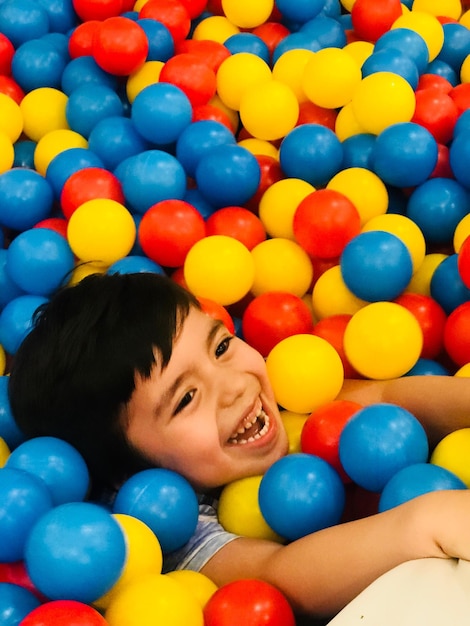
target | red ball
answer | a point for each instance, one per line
(64, 613)
(443, 168)
(238, 223)
(463, 262)
(457, 335)
(120, 46)
(7, 51)
(168, 230)
(212, 112)
(311, 113)
(371, 19)
(432, 319)
(88, 184)
(324, 222)
(271, 172)
(322, 430)
(437, 112)
(212, 53)
(434, 81)
(272, 33)
(460, 94)
(11, 88)
(194, 77)
(194, 7)
(218, 312)
(171, 13)
(97, 9)
(332, 329)
(81, 39)
(273, 316)
(17, 574)
(249, 602)
(57, 224)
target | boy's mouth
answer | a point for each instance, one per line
(251, 429)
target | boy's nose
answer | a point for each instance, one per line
(230, 386)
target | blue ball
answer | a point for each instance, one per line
(194, 197)
(23, 20)
(427, 367)
(326, 32)
(311, 152)
(332, 8)
(392, 60)
(357, 151)
(376, 265)
(437, 206)
(160, 113)
(300, 494)
(416, 480)
(404, 154)
(440, 68)
(456, 46)
(8, 288)
(85, 71)
(9, 430)
(163, 500)
(161, 44)
(248, 42)
(38, 63)
(66, 163)
(228, 175)
(24, 153)
(134, 264)
(39, 261)
(61, 14)
(89, 104)
(408, 42)
(463, 123)
(76, 551)
(24, 499)
(378, 441)
(16, 320)
(459, 153)
(57, 463)
(115, 139)
(60, 41)
(16, 603)
(301, 10)
(149, 177)
(26, 198)
(447, 287)
(198, 139)
(294, 41)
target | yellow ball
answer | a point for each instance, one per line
(279, 203)
(246, 13)
(426, 25)
(144, 555)
(3, 361)
(453, 453)
(305, 372)
(465, 68)
(464, 371)
(331, 296)
(43, 110)
(269, 110)
(259, 146)
(198, 585)
(4, 452)
(359, 50)
(53, 143)
(230, 113)
(365, 189)
(293, 424)
(383, 340)
(289, 69)
(154, 599)
(331, 77)
(215, 28)
(383, 99)
(11, 117)
(421, 280)
(281, 265)
(347, 4)
(239, 511)
(147, 74)
(465, 19)
(220, 268)
(101, 231)
(439, 8)
(7, 153)
(461, 232)
(346, 124)
(82, 270)
(406, 230)
(237, 73)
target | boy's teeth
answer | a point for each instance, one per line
(264, 420)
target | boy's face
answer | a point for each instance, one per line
(210, 414)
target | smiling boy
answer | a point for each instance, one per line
(130, 371)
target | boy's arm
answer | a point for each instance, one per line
(441, 403)
(322, 572)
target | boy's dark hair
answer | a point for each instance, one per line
(75, 371)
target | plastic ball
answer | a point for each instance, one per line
(463, 262)
(462, 231)
(76, 551)
(300, 494)
(43, 110)
(89, 104)
(281, 265)
(346, 123)
(52, 144)
(84, 70)
(279, 203)
(4, 452)
(198, 584)
(38, 63)
(119, 46)
(305, 372)
(172, 13)
(168, 230)
(447, 286)
(133, 264)
(11, 120)
(392, 60)
(115, 139)
(220, 268)
(198, 139)
(332, 329)
(293, 424)
(239, 511)
(262, 603)
(248, 42)
(164, 501)
(150, 177)
(455, 335)
(16, 603)
(408, 42)
(215, 28)
(380, 440)
(331, 77)
(148, 74)
(382, 99)
(239, 223)
(39, 261)
(324, 222)
(376, 265)
(383, 340)
(67, 163)
(437, 112)
(7, 153)
(451, 453)
(367, 192)
(331, 296)
(16, 320)
(415, 480)
(57, 463)
(190, 73)
(289, 69)
(426, 25)
(64, 613)
(228, 175)
(237, 74)
(271, 317)
(88, 184)
(9, 430)
(161, 45)
(458, 153)
(370, 21)
(427, 367)
(432, 319)
(23, 21)
(89, 10)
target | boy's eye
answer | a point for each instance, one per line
(185, 400)
(222, 347)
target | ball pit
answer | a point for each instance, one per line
(242, 114)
